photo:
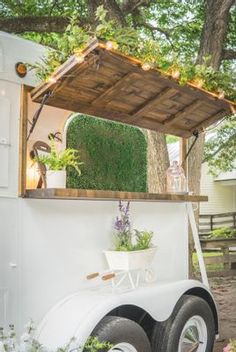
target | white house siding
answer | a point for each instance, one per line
(222, 199)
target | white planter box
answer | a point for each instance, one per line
(56, 179)
(135, 260)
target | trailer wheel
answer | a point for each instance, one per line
(125, 335)
(191, 328)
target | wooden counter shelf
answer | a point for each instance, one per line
(69, 193)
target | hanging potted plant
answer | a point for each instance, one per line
(57, 162)
(133, 250)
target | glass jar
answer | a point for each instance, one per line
(175, 179)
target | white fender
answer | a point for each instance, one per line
(78, 314)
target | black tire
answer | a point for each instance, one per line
(166, 336)
(117, 330)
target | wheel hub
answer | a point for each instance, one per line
(123, 347)
(194, 336)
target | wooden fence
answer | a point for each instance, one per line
(225, 249)
(210, 222)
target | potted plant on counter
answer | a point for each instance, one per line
(133, 250)
(57, 162)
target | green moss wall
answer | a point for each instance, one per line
(114, 155)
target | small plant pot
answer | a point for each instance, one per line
(134, 260)
(56, 179)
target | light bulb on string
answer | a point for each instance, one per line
(221, 95)
(52, 79)
(111, 45)
(199, 83)
(79, 59)
(176, 74)
(146, 66)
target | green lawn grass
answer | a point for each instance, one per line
(209, 267)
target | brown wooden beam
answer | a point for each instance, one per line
(187, 110)
(210, 120)
(183, 153)
(25, 90)
(114, 89)
(166, 93)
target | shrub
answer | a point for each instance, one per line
(223, 232)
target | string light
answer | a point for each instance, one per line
(176, 74)
(3, 92)
(79, 59)
(221, 95)
(199, 83)
(52, 79)
(110, 45)
(146, 66)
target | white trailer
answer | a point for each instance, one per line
(50, 241)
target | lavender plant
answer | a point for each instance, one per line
(27, 342)
(125, 239)
(123, 236)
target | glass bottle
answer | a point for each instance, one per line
(175, 179)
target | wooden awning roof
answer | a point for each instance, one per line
(110, 85)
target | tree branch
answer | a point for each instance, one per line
(222, 146)
(229, 54)
(130, 6)
(39, 24)
(158, 29)
(155, 28)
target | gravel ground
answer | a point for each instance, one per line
(224, 290)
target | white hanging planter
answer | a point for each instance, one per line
(56, 178)
(133, 260)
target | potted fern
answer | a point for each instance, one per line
(57, 162)
(133, 250)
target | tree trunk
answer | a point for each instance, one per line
(194, 164)
(157, 161)
(214, 31)
(211, 46)
(114, 11)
